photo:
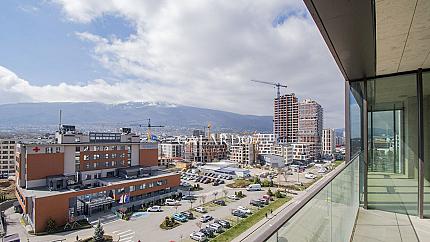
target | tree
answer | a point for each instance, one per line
(99, 233)
(202, 199)
(225, 192)
(269, 192)
(51, 226)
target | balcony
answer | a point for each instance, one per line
(330, 211)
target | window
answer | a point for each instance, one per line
(86, 157)
(87, 165)
(95, 165)
(88, 177)
(114, 156)
(48, 150)
(77, 148)
(57, 149)
(86, 148)
(96, 156)
(107, 163)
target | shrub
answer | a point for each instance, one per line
(279, 194)
(269, 192)
(51, 226)
(99, 233)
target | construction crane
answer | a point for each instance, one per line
(277, 85)
(149, 126)
(278, 95)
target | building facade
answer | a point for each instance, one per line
(328, 142)
(7, 157)
(301, 151)
(311, 126)
(286, 118)
(79, 174)
(242, 153)
(285, 151)
(203, 149)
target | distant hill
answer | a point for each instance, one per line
(132, 113)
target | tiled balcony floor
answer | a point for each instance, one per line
(376, 225)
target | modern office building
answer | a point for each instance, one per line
(77, 175)
(7, 157)
(286, 118)
(328, 142)
(311, 126)
(381, 193)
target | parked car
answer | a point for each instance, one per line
(310, 176)
(224, 223)
(238, 213)
(208, 232)
(219, 202)
(257, 203)
(155, 209)
(322, 170)
(207, 181)
(264, 201)
(206, 218)
(189, 197)
(188, 214)
(229, 178)
(244, 209)
(233, 197)
(267, 197)
(215, 183)
(198, 236)
(179, 217)
(254, 187)
(201, 210)
(172, 202)
(217, 227)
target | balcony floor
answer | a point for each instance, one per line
(376, 225)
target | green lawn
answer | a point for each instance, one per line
(247, 223)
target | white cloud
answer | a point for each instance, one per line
(203, 53)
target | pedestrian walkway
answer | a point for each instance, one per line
(124, 236)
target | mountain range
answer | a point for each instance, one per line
(128, 114)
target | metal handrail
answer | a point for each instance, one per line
(264, 235)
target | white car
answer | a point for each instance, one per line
(201, 210)
(206, 218)
(155, 209)
(172, 202)
(216, 227)
(198, 236)
(310, 176)
(244, 209)
(233, 197)
(322, 170)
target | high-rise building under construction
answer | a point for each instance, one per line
(286, 118)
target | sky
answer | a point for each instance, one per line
(191, 52)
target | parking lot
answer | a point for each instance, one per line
(144, 225)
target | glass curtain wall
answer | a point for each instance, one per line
(393, 144)
(426, 121)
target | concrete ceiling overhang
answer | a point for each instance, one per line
(368, 38)
(402, 35)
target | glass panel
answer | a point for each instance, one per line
(356, 122)
(393, 142)
(426, 111)
(330, 215)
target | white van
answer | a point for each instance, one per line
(254, 187)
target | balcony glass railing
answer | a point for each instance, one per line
(328, 214)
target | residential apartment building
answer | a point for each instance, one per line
(311, 126)
(285, 151)
(77, 175)
(168, 152)
(7, 157)
(328, 142)
(203, 149)
(286, 118)
(243, 153)
(265, 143)
(301, 151)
